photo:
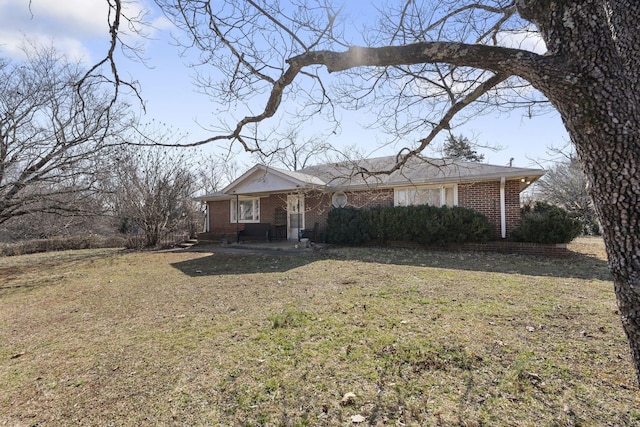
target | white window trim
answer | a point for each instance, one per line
(443, 194)
(233, 210)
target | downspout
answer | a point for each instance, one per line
(237, 219)
(503, 209)
(299, 219)
(207, 218)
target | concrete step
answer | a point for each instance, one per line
(187, 244)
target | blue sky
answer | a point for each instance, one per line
(78, 28)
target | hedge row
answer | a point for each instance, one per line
(423, 224)
(61, 244)
(91, 241)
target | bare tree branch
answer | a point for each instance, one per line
(51, 134)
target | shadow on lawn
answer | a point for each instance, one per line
(245, 262)
(575, 265)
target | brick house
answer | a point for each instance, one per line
(286, 202)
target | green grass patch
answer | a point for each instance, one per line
(290, 318)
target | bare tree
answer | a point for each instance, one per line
(52, 132)
(151, 190)
(428, 64)
(90, 219)
(565, 185)
(293, 151)
(213, 172)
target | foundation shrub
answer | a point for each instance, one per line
(546, 223)
(346, 226)
(422, 224)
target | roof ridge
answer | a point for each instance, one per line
(447, 162)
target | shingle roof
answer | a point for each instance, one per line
(365, 172)
(299, 175)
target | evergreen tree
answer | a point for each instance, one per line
(460, 148)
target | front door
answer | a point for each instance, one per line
(295, 215)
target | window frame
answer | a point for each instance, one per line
(339, 199)
(414, 189)
(255, 208)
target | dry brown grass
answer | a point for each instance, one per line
(103, 337)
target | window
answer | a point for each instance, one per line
(339, 199)
(434, 196)
(248, 210)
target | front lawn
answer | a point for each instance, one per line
(105, 337)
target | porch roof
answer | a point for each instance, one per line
(214, 196)
(262, 179)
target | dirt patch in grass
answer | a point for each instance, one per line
(420, 338)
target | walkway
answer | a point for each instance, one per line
(289, 246)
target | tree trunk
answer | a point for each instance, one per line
(611, 159)
(594, 87)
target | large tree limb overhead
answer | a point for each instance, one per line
(504, 61)
(498, 59)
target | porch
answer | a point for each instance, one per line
(206, 240)
(263, 217)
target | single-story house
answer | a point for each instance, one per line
(282, 202)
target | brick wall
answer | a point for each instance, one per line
(268, 206)
(484, 197)
(504, 247)
(219, 217)
(317, 206)
(220, 213)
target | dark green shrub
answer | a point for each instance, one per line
(545, 223)
(391, 223)
(455, 225)
(345, 226)
(422, 224)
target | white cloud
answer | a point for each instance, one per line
(72, 26)
(162, 23)
(525, 40)
(83, 17)
(12, 44)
